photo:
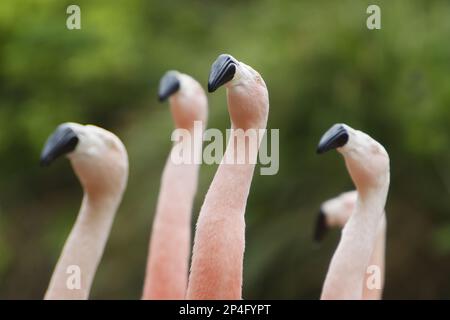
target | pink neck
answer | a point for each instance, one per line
(217, 261)
(377, 259)
(169, 250)
(84, 248)
(347, 271)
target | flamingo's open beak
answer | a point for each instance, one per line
(168, 85)
(321, 227)
(60, 142)
(222, 71)
(335, 137)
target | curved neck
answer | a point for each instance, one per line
(76, 267)
(346, 275)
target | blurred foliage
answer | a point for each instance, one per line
(322, 66)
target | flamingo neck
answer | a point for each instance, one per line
(347, 271)
(217, 261)
(170, 243)
(76, 267)
(377, 259)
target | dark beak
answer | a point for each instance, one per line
(334, 138)
(62, 141)
(168, 85)
(321, 227)
(222, 71)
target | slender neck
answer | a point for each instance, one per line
(170, 242)
(346, 274)
(374, 280)
(76, 267)
(218, 253)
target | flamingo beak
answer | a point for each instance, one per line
(321, 227)
(60, 142)
(168, 85)
(222, 71)
(335, 137)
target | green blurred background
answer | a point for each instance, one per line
(322, 66)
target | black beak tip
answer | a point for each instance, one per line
(335, 137)
(60, 142)
(320, 227)
(222, 71)
(168, 85)
(211, 87)
(319, 150)
(44, 162)
(161, 98)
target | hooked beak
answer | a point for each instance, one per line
(321, 227)
(222, 71)
(168, 85)
(335, 137)
(62, 141)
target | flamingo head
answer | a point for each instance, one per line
(367, 161)
(98, 157)
(334, 212)
(186, 96)
(248, 99)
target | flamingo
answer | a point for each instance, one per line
(170, 243)
(100, 161)
(335, 212)
(218, 252)
(368, 164)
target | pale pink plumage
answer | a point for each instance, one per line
(170, 243)
(337, 211)
(217, 260)
(368, 164)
